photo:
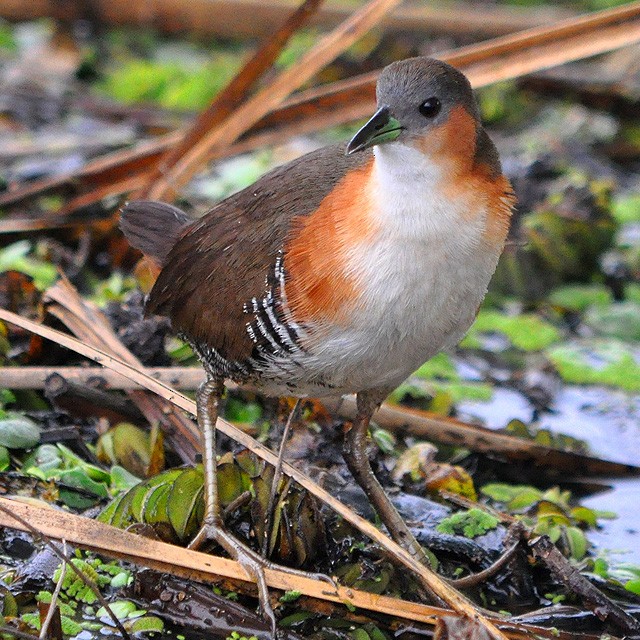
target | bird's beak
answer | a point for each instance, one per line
(382, 127)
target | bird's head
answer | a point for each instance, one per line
(424, 103)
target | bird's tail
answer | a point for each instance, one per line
(153, 227)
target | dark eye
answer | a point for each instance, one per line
(430, 108)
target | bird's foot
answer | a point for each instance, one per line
(253, 564)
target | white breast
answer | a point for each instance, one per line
(422, 279)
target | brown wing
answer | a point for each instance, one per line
(223, 260)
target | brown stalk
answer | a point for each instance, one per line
(401, 420)
(257, 18)
(431, 581)
(271, 96)
(236, 91)
(102, 538)
(346, 100)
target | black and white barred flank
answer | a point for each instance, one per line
(275, 335)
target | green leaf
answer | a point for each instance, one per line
(18, 432)
(32, 620)
(359, 634)
(232, 482)
(5, 461)
(242, 412)
(290, 596)
(626, 208)
(385, 440)
(70, 627)
(8, 603)
(79, 479)
(106, 515)
(633, 586)
(122, 609)
(120, 580)
(518, 494)
(157, 505)
(147, 624)
(121, 479)
(15, 258)
(577, 542)
(6, 397)
(7, 39)
(527, 497)
(583, 514)
(440, 367)
(601, 568)
(610, 362)
(181, 508)
(45, 458)
(140, 504)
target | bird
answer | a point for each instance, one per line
(340, 272)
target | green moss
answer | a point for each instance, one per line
(617, 320)
(170, 84)
(440, 366)
(577, 297)
(609, 362)
(471, 524)
(626, 208)
(7, 39)
(527, 332)
(18, 257)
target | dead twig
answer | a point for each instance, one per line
(575, 582)
(53, 605)
(236, 91)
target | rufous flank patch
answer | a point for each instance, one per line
(319, 286)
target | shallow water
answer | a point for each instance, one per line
(609, 422)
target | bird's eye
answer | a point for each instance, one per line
(430, 108)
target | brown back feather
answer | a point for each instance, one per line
(222, 260)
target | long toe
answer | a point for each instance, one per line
(253, 564)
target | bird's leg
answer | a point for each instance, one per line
(355, 455)
(207, 403)
(277, 474)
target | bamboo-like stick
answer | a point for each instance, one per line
(270, 97)
(398, 419)
(102, 538)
